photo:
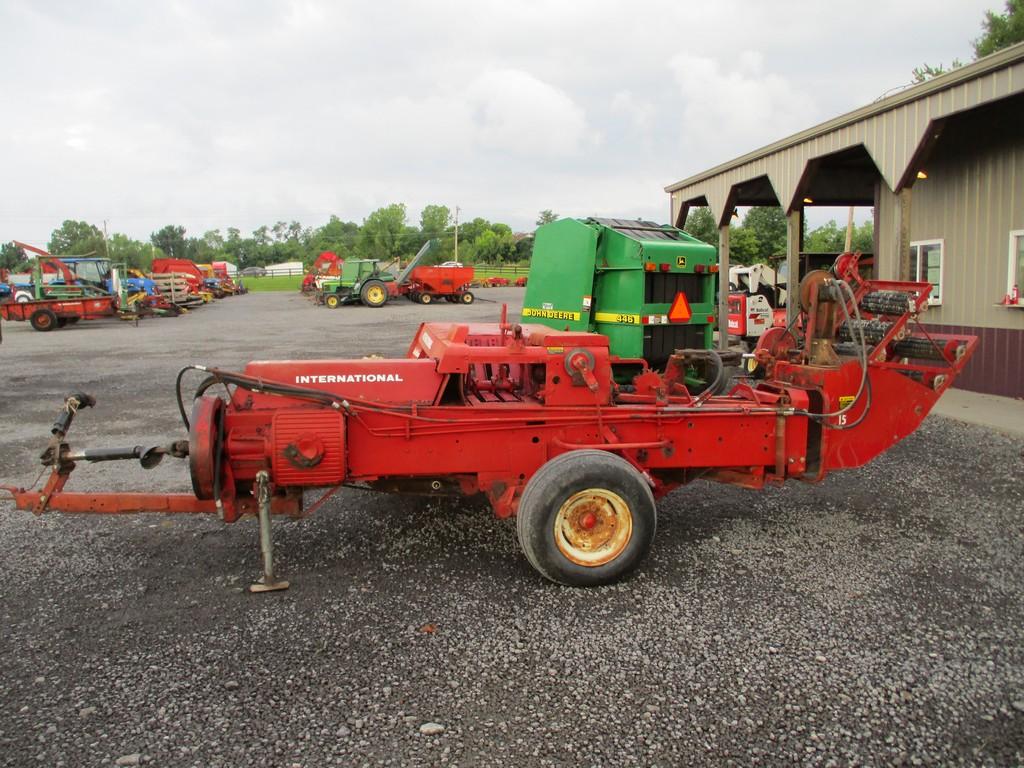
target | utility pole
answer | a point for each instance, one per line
(106, 248)
(456, 233)
(849, 229)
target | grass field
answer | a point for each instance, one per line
(274, 283)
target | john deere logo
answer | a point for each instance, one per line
(681, 261)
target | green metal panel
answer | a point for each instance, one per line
(561, 284)
(622, 277)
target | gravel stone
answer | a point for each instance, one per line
(905, 575)
(431, 729)
(132, 759)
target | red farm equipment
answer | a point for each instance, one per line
(327, 264)
(50, 314)
(428, 284)
(532, 418)
(180, 270)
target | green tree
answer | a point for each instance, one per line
(434, 221)
(927, 71)
(1001, 30)
(700, 223)
(126, 250)
(524, 248)
(171, 240)
(336, 236)
(828, 238)
(381, 236)
(12, 256)
(495, 247)
(546, 217)
(768, 223)
(76, 238)
(743, 245)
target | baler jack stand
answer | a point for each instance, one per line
(269, 582)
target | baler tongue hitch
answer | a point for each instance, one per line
(58, 454)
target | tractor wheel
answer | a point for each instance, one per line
(586, 518)
(43, 320)
(373, 293)
(72, 320)
(426, 298)
(467, 298)
(414, 297)
(61, 322)
(23, 297)
(332, 301)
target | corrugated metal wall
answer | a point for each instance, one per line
(972, 199)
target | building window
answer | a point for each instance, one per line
(1015, 285)
(926, 266)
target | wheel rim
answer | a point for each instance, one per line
(375, 294)
(44, 321)
(593, 527)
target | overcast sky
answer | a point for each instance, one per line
(245, 113)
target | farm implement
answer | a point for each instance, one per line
(85, 288)
(366, 282)
(532, 418)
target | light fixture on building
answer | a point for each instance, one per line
(808, 200)
(735, 213)
(922, 174)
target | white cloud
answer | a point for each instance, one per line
(729, 110)
(244, 112)
(518, 113)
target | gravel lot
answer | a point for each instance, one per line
(875, 619)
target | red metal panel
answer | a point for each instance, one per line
(307, 437)
(382, 381)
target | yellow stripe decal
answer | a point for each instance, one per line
(615, 317)
(550, 314)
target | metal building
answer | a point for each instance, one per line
(942, 165)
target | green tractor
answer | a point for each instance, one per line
(365, 281)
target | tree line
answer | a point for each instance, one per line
(385, 234)
(762, 234)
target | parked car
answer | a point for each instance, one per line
(451, 264)
(253, 272)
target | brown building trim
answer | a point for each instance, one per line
(997, 367)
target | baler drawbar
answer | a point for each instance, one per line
(532, 417)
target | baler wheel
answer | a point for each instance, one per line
(586, 518)
(467, 298)
(43, 320)
(373, 294)
(332, 301)
(426, 298)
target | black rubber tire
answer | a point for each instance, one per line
(426, 298)
(61, 322)
(332, 301)
(467, 298)
(557, 481)
(43, 320)
(365, 290)
(73, 320)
